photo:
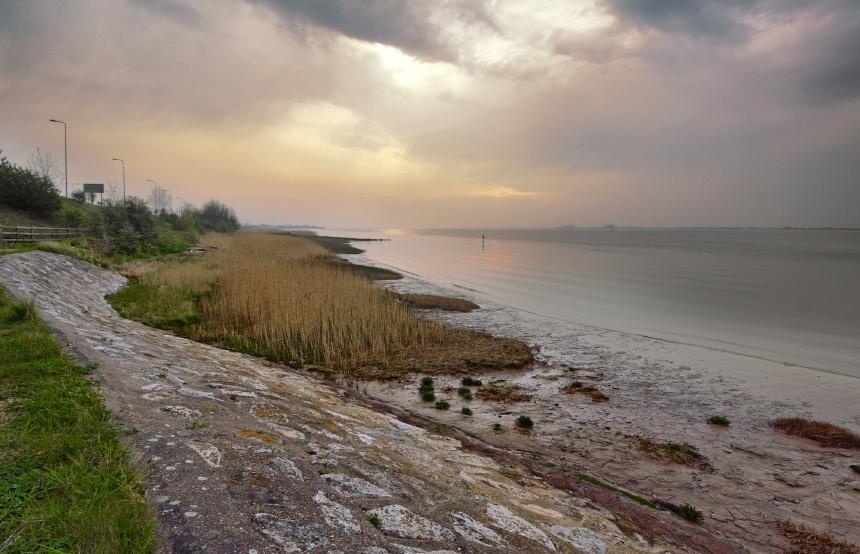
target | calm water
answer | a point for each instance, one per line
(790, 296)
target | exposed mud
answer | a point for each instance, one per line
(244, 456)
(750, 477)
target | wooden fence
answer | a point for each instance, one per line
(27, 233)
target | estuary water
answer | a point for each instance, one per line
(786, 296)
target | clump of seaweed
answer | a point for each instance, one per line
(807, 541)
(826, 434)
(501, 391)
(578, 387)
(679, 453)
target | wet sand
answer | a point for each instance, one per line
(664, 391)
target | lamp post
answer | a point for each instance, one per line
(123, 176)
(65, 151)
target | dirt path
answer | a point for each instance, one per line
(243, 456)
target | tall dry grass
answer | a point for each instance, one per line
(282, 296)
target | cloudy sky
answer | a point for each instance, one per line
(465, 113)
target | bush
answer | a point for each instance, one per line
(525, 422)
(465, 393)
(465, 410)
(690, 513)
(217, 216)
(719, 420)
(428, 395)
(427, 382)
(27, 191)
(441, 405)
(470, 382)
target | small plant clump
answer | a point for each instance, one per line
(722, 421)
(690, 513)
(441, 405)
(525, 422)
(503, 392)
(497, 427)
(679, 453)
(465, 393)
(426, 389)
(471, 382)
(465, 410)
(806, 540)
(826, 434)
(855, 468)
(577, 387)
(374, 520)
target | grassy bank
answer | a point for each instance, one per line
(66, 483)
(290, 300)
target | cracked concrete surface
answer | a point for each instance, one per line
(245, 456)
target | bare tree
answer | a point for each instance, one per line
(159, 199)
(112, 191)
(43, 164)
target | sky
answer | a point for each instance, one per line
(450, 113)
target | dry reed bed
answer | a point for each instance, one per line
(285, 298)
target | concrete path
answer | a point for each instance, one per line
(245, 456)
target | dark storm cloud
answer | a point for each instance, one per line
(832, 74)
(406, 25)
(693, 17)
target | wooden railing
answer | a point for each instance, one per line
(28, 233)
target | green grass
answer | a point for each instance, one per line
(170, 308)
(66, 482)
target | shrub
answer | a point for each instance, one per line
(465, 410)
(374, 520)
(427, 382)
(690, 513)
(525, 422)
(465, 393)
(719, 420)
(497, 427)
(217, 216)
(428, 395)
(27, 191)
(441, 405)
(470, 382)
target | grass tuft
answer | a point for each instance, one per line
(826, 434)
(719, 420)
(374, 520)
(465, 393)
(441, 405)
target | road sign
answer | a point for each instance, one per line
(94, 187)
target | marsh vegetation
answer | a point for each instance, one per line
(290, 300)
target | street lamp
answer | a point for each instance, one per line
(123, 176)
(65, 151)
